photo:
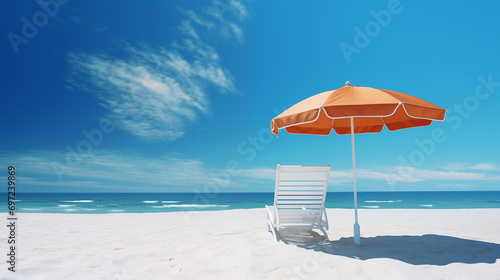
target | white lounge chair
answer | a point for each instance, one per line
(299, 198)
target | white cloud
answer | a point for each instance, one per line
(422, 175)
(221, 10)
(110, 169)
(188, 29)
(237, 32)
(157, 93)
(224, 12)
(239, 9)
(483, 166)
(411, 175)
(153, 99)
(460, 166)
(455, 166)
(258, 173)
(388, 174)
(153, 94)
(198, 20)
(203, 51)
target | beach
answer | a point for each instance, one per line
(235, 244)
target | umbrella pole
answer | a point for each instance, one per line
(356, 225)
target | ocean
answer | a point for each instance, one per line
(104, 203)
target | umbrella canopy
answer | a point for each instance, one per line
(351, 110)
(371, 109)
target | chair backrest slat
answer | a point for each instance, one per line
(300, 193)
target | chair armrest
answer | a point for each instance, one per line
(271, 214)
(324, 219)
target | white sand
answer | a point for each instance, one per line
(235, 244)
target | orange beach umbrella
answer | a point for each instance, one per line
(351, 110)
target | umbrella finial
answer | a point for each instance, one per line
(347, 84)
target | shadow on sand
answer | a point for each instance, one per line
(427, 249)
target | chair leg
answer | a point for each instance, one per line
(272, 230)
(324, 232)
(270, 224)
(324, 221)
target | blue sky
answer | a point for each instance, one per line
(177, 96)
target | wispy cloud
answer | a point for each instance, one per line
(411, 175)
(156, 93)
(388, 174)
(187, 28)
(113, 170)
(118, 171)
(239, 9)
(229, 13)
(145, 102)
(460, 166)
(483, 166)
(220, 10)
(255, 174)
(237, 32)
(84, 22)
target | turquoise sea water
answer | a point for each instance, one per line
(100, 203)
